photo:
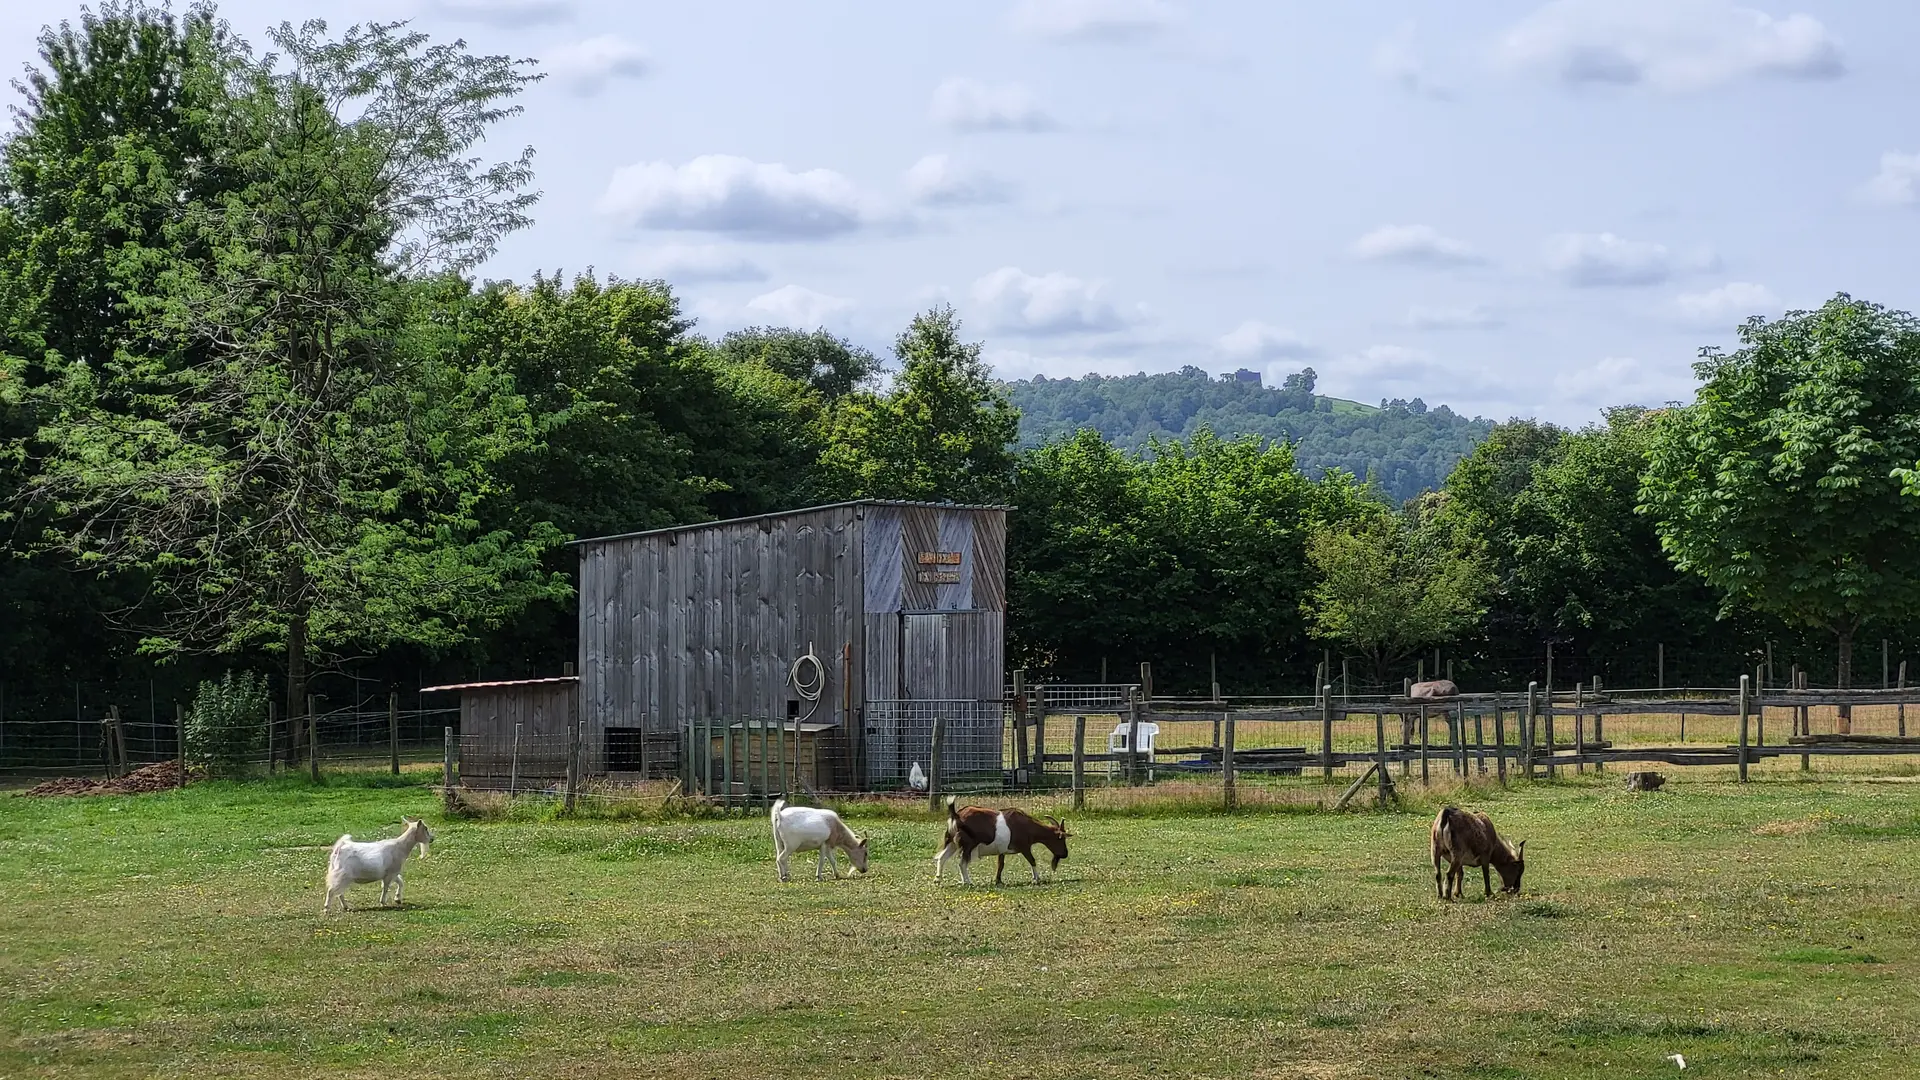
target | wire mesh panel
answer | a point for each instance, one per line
(529, 763)
(900, 733)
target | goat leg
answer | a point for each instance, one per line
(1486, 879)
(399, 889)
(999, 867)
(1032, 867)
(966, 858)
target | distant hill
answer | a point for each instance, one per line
(1406, 446)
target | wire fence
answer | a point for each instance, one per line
(98, 740)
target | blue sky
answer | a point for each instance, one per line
(1515, 207)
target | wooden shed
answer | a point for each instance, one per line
(513, 734)
(902, 605)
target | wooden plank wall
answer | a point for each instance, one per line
(487, 717)
(707, 622)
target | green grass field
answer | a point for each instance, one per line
(1765, 930)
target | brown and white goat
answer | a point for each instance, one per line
(975, 830)
(1463, 839)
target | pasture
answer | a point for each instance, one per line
(1765, 930)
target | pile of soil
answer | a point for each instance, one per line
(163, 776)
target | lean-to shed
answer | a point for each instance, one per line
(902, 604)
(513, 734)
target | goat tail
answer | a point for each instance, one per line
(953, 812)
(779, 804)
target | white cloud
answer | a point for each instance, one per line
(1103, 21)
(587, 66)
(792, 305)
(1727, 306)
(1472, 317)
(1253, 340)
(703, 262)
(722, 193)
(970, 105)
(1019, 364)
(1397, 59)
(1417, 244)
(1618, 380)
(1669, 45)
(934, 180)
(509, 14)
(1018, 302)
(1603, 259)
(1897, 183)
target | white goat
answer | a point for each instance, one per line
(803, 828)
(352, 862)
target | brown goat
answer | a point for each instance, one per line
(976, 830)
(1464, 839)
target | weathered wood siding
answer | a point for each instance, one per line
(487, 719)
(705, 622)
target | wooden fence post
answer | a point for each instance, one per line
(1480, 739)
(1227, 794)
(1803, 718)
(1759, 710)
(1746, 688)
(706, 757)
(1552, 742)
(446, 771)
(780, 756)
(513, 764)
(1079, 763)
(726, 764)
(573, 762)
(1020, 758)
(1579, 730)
(1426, 776)
(1039, 745)
(1599, 724)
(933, 773)
(1380, 749)
(1135, 769)
(393, 730)
(313, 742)
(1526, 727)
(1326, 736)
(1903, 699)
(1499, 741)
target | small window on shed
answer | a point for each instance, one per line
(793, 708)
(623, 749)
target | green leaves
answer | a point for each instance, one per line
(1784, 485)
(1392, 583)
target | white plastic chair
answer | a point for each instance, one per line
(1117, 744)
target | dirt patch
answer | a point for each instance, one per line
(163, 776)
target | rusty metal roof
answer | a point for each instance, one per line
(503, 682)
(786, 513)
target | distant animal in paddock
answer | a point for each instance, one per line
(1645, 781)
(805, 828)
(1434, 688)
(973, 831)
(1462, 839)
(352, 862)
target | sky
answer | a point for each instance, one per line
(1513, 207)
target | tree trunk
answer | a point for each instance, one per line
(297, 717)
(1844, 675)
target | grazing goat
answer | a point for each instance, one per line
(1434, 688)
(803, 828)
(351, 862)
(1463, 840)
(975, 830)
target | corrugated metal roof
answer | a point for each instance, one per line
(504, 682)
(783, 514)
